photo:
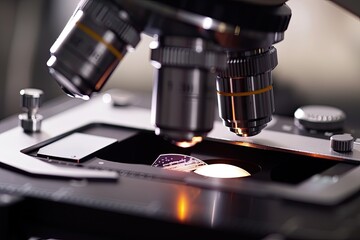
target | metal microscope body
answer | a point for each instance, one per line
(200, 51)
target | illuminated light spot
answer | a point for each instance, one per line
(107, 98)
(155, 64)
(207, 23)
(51, 61)
(192, 142)
(154, 45)
(221, 170)
(182, 207)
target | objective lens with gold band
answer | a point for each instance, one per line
(184, 101)
(90, 47)
(245, 94)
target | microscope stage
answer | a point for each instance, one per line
(111, 168)
(134, 153)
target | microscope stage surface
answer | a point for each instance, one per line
(296, 186)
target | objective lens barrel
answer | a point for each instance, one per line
(185, 103)
(245, 94)
(183, 108)
(90, 47)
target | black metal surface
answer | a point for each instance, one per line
(155, 201)
(154, 206)
(264, 165)
(137, 206)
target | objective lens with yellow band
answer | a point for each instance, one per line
(90, 47)
(245, 92)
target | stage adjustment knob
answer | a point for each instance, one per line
(342, 142)
(31, 100)
(319, 117)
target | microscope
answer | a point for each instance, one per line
(99, 171)
(200, 50)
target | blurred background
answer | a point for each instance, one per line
(319, 59)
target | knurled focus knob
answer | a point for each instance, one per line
(342, 142)
(319, 117)
(31, 100)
